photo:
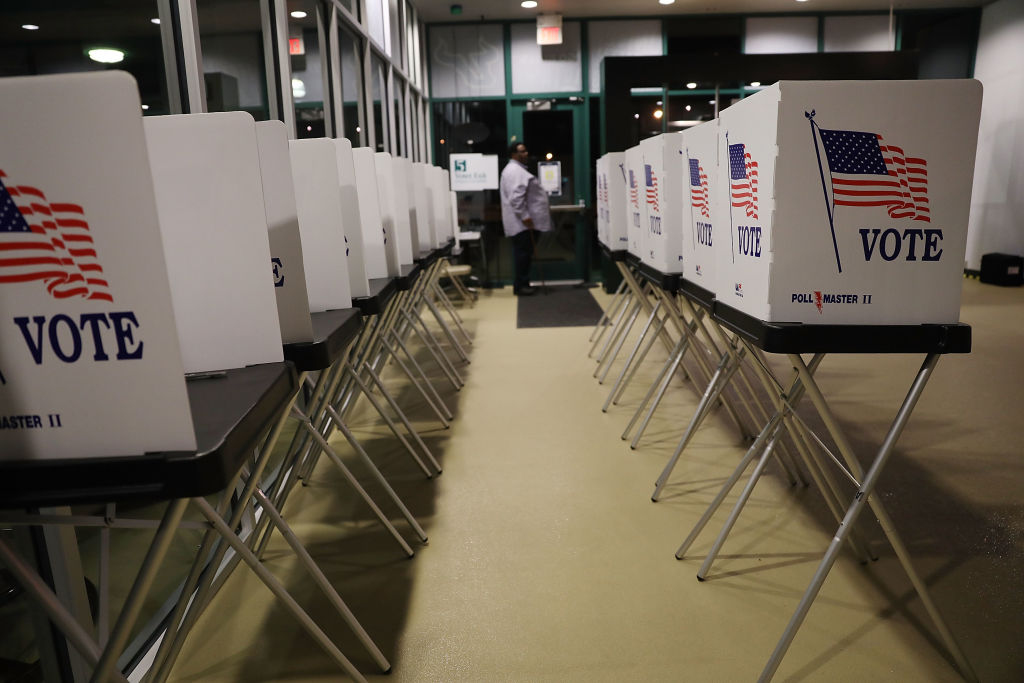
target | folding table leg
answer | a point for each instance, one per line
(419, 368)
(606, 316)
(353, 482)
(405, 420)
(862, 498)
(620, 313)
(143, 580)
(659, 385)
(322, 581)
(51, 604)
(277, 589)
(415, 382)
(633, 354)
(651, 341)
(609, 360)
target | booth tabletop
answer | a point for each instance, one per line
(333, 331)
(696, 293)
(381, 291)
(776, 337)
(668, 282)
(230, 411)
(614, 256)
(408, 275)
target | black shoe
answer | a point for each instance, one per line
(525, 291)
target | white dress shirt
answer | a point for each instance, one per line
(522, 197)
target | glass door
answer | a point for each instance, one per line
(556, 134)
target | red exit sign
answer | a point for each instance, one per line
(296, 46)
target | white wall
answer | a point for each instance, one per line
(620, 39)
(997, 203)
(780, 35)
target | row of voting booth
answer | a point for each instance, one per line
(811, 218)
(175, 290)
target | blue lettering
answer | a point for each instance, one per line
(749, 240)
(35, 345)
(124, 335)
(704, 233)
(897, 243)
(76, 338)
(94, 319)
(931, 242)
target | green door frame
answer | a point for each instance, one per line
(579, 269)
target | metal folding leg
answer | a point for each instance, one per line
(606, 316)
(864, 497)
(633, 355)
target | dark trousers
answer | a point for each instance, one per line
(522, 254)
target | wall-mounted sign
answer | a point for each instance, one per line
(296, 46)
(550, 175)
(472, 172)
(549, 29)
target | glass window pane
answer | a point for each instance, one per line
(351, 85)
(377, 18)
(380, 110)
(401, 149)
(307, 72)
(234, 71)
(67, 30)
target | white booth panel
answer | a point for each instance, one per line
(283, 226)
(701, 224)
(425, 219)
(209, 195)
(388, 210)
(352, 221)
(315, 179)
(374, 258)
(89, 356)
(635, 214)
(617, 196)
(662, 180)
(400, 168)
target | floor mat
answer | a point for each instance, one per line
(561, 306)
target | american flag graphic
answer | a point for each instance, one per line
(634, 196)
(867, 172)
(743, 179)
(699, 188)
(651, 183)
(47, 242)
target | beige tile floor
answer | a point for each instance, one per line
(547, 560)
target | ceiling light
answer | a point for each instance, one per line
(549, 156)
(528, 4)
(666, 2)
(105, 55)
(309, 129)
(659, 103)
(298, 88)
(145, 107)
(658, 113)
(689, 108)
(691, 85)
(636, 116)
(30, 27)
(801, 0)
(711, 101)
(755, 84)
(298, 14)
(155, 20)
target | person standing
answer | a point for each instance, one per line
(524, 208)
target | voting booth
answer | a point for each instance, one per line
(662, 222)
(352, 221)
(85, 287)
(612, 197)
(374, 253)
(635, 211)
(390, 210)
(325, 250)
(404, 210)
(425, 216)
(848, 200)
(286, 263)
(700, 205)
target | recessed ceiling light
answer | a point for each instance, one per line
(711, 101)
(30, 27)
(155, 20)
(689, 108)
(658, 103)
(528, 4)
(298, 14)
(358, 129)
(298, 88)
(691, 85)
(658, 113)
(105, 55)
(666, 2)
(549, 156)
(636, 116)
(145, 107)
(801, 0)
(755, 84)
